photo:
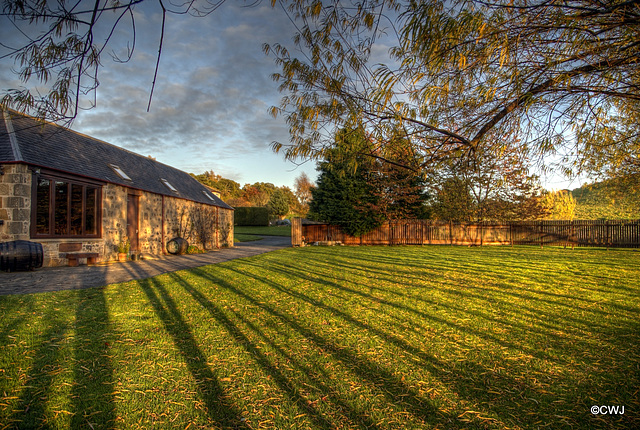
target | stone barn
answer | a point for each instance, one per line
(76, 194)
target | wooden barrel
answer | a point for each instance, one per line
(177, 246)
(20, 255)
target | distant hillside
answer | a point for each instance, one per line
(607, 200)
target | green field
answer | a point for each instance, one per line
(248, 233)
(336, 337)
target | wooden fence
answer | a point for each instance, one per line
(610, 233)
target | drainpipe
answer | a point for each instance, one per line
(217, 227)
(162, 247)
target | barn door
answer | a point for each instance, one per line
(133, 210)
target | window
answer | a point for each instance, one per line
(208, 196)
(120, 172)
(65, 208)
(168, 185)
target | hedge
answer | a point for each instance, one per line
(246, 216)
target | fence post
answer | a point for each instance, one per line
(511, 233)
(573, 235)
(296, 232)
(540, 234)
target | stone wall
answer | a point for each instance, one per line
(178, 221)
(15, 202)
(198, 222)
(114, 219)
(150, 224)
(55, 249)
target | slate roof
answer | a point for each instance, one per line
(46, 145)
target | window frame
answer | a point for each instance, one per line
(71, 181)
(118, 171)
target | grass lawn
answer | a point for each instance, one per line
(342, 337)
(242, 237)
(249, 233)
(283, 230)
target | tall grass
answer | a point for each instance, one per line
(322, 338)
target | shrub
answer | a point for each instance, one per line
(192, 249)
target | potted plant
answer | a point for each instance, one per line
(123, 249)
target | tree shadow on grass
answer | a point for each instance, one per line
(547, 322)
(286, 385)
(219, 406)
(295, 272)
(386, 383)
(92, 393)
(68, 345)
(411, 267)
(33, 407)
(17, 313)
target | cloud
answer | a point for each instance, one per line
(213, 88)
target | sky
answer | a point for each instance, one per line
(210, 104)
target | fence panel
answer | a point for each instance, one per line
(611, 233)
(494, 233)
(406, 232)
(378, 236)
(437, 233)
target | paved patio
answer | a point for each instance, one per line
(75, 278)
